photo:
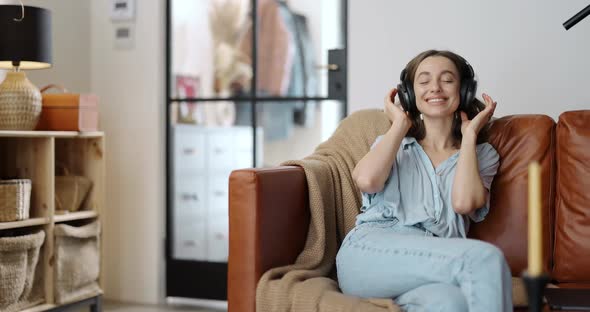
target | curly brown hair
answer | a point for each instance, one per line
(417, 130)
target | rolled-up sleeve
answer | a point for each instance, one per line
(366, 196)
(488, 161)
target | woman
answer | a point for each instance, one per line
(422, 183)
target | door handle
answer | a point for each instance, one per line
(336, 74)
(330, 67)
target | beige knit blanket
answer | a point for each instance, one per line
(334, 203)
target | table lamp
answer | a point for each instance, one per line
(25, 43)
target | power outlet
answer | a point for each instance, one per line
(124, 36)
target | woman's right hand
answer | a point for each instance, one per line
(372, 171)
(394, 111)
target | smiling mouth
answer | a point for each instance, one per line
(436, 101)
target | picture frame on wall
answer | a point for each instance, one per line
(187, 87)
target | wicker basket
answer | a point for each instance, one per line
(77, 261)
(18, 263)
(15, 199)
(70, 191)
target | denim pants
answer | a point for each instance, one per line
(421, 272)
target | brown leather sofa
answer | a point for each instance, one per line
(269, 212)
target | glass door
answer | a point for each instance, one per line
(250, 83)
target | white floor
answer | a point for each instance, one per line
(110, 306)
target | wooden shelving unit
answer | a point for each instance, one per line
(38, 308)
(24, 223)
(34, 155)
(89, 299)
(72, 216)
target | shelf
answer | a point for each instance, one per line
(83, 297)
(39, 308)
(47, 134)
(90, 134)
(65, 306)
(78, 215)
(23, 223)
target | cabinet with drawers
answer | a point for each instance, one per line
(202, 162)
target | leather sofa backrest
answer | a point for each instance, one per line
(572, 201)
(519, 140)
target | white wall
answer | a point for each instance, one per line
(71, 45)
(131, 86)
(523, 56)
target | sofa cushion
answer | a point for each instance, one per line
(519, 140)
(572, 202)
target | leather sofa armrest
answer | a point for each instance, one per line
(268, 224)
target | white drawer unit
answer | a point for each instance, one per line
(189, 217)
(243, 156)
(190, 196)
(189, 149)
(218, 240)
(220, 149)
(204, 157)
(218, 196)
(190, 240)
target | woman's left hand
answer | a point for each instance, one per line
(480, 120)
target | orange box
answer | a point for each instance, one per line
(69, 112)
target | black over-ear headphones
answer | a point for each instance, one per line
(405, 89)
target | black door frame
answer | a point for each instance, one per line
(199, 279)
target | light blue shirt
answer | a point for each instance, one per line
(417, 194)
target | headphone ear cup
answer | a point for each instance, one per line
(468, 87)
(402, 93)
(411, 98)
(468, 90)
(406, 93)
(463, 94)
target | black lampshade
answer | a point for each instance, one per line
(26, 43)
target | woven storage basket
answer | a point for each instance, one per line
(15, 199)
(19, 257)
(77, 264)
(70, 191)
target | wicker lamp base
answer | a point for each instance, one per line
(20, 103)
